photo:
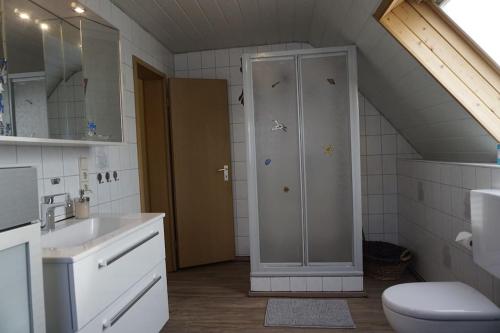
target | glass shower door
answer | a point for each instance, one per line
(327, 158)
(277, 160)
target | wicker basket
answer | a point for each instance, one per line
(385, 261)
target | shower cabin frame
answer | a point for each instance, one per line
(259, 269)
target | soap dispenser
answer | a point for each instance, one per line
(82, 206)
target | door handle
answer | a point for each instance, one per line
(225, 169)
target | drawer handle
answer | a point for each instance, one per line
(107, 262)
(108, 323)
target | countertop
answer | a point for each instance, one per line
(128, 224)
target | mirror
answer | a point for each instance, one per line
(60, 73)
(102, 76)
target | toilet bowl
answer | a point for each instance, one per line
(439, 307)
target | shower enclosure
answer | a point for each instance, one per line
(304, 180)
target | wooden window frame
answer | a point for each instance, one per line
(448, 54)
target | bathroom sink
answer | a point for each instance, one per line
(78, 232)
(73, 239)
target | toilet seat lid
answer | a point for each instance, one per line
(440, 301)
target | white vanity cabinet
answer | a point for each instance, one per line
(141, 309)
(118, 286)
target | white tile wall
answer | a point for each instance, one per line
(280, 283)
(60, 162)
(298, 283)
(260, 284)
(314, 283)
(381, 145)
(307, 284)
(434, 207)
(332, 283)
(352, 283)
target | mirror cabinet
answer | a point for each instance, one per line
(60, 73)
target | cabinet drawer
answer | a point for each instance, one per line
(102, 277)
(143, 308)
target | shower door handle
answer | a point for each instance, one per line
(225, 169)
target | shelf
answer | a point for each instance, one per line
(14, 140)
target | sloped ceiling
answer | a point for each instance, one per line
(414, 102)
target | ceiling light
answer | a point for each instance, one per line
(44, 26)
(22, 15)
(77, 8)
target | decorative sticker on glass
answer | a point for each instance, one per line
(278, 126)
(328, 150)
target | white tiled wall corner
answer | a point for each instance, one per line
(434, 206)
(381, 147)
(381, 144)
(62, 162)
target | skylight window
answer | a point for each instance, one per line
(479, 19)
(458, 45)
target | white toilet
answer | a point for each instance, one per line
(453, 307)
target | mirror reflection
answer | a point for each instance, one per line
(60, 74)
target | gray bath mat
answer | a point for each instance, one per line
(299, 312)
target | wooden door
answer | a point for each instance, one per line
(203, 201)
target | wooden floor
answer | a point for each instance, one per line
(214, 299)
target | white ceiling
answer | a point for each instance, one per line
(191, 25)
(416, 104)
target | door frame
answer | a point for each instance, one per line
(143, 71)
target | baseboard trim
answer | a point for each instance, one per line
(309, 294)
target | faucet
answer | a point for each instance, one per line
(49, 206)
